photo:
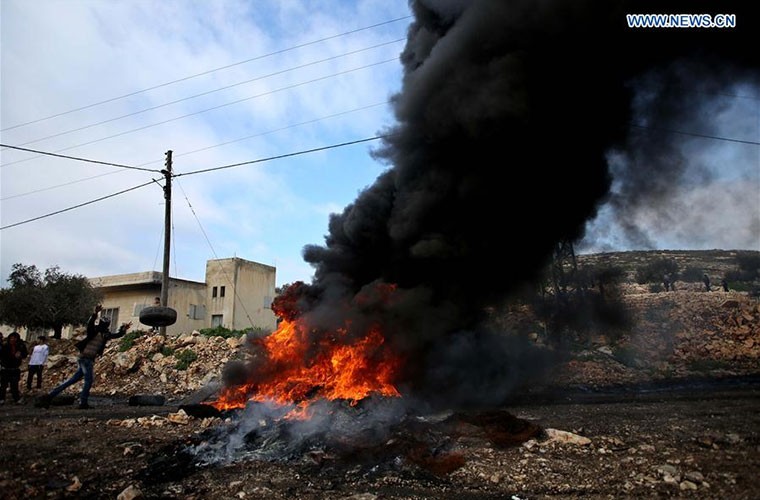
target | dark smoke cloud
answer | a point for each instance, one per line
(504, 123)
(673, 185)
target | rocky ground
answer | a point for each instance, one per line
(693, 442)
(667, 408)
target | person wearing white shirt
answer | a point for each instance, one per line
(37, 361)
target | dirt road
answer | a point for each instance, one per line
(674, 442)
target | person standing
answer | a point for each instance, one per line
(13, 352)
(37, 362)
(90, 348)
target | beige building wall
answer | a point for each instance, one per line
(235, 289)
(248, 292)
(125, 295)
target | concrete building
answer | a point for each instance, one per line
(236, 294)
(239, 293)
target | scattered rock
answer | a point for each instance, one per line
(75, 485)
(131, 492)
(180, 418)
(694, 476)
(565, 437)
(687, 485)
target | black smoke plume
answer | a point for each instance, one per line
(504, 123)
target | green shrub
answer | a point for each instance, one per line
(226, 333)
(692, 274)
(184, 358)
(220, 331)
(166, 350)
(749, 264)
(654, 271)
(128, 340)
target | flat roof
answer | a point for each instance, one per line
(136, 280)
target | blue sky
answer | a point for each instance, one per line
(58, 56)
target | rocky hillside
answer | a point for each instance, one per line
(685, 333)
(680, 334)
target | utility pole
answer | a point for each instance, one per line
(167, 232)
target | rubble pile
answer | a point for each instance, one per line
(685, 333)
(154, 364)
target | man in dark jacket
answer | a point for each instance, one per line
(90, 348)
(12, 353)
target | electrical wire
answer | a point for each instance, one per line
(237, 101)
(226, 275)
(153, 108)
(268, 132)
(49, 188)
(45, 153)
(692, 134)
(296, 153)
(188, 153)
(322, 148)
(277, 52)
(286, 155)
(77, 206)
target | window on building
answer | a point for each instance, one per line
(216, 320)
(196, 311)
(221, 291)
(213, 293)
(113, 315)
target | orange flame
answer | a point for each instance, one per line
(299, 370)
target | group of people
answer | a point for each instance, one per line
(668, 282)
(13, 351)
(706, 281)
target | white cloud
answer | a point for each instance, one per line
(58, 56)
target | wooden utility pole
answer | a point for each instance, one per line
(167, 232)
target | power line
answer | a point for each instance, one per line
(153, 108)
(45, 153)
(277, 52)
(226, 275)
(692, 134)
(287, 155)
(288, 87)
(77, 206)
(188, 153)
(297, 153)
(49, 188)
(285, 127)
(313, 150)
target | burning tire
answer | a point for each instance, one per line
(158, 316)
